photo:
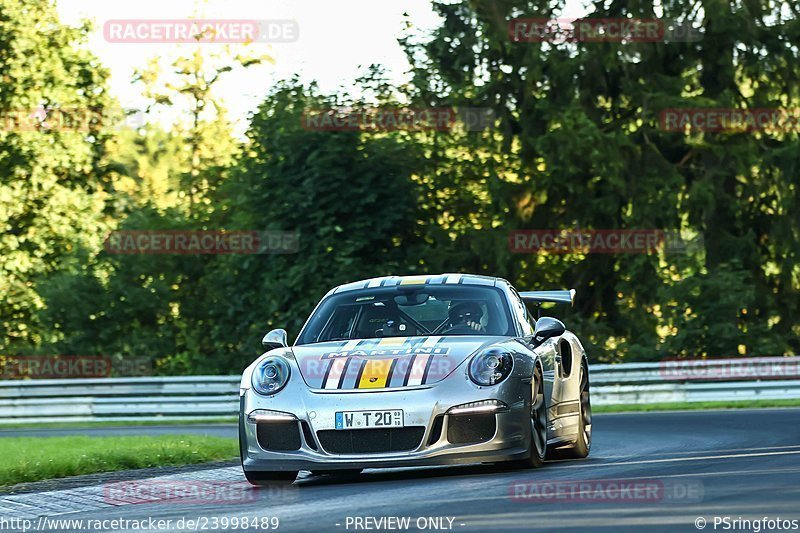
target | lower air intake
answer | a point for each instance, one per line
(471, 429)
(279, 436)
(344, 441)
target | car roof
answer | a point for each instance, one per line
(429, 279)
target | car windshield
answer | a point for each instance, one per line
(403, 311)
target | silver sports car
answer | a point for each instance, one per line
(413, 371)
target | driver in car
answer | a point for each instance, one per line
(465, 317)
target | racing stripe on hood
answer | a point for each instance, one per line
(389, 362)
(377, 372)
(354, 368)
(415, 280)
(336, 370)
(351, 373)
(334, 373)
(413, 369)
(337, 367)
(443, 364)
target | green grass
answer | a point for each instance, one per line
(677, 406)
(25, 459)
(121, 423)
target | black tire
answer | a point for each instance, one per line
(538, 419)
(583, 442)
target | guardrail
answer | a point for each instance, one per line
(756, 378)
(120, 399)
(203, 397)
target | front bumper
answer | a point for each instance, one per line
(422, 406)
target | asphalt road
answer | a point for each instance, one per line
(648, 471)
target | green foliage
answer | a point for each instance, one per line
(576, 144)
(125, 304)
(350, 197)
(51, 195)
(578, 132)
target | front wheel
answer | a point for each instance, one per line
(538, 415)
(583, 441)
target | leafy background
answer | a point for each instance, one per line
(576, 144)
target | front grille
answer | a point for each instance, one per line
(471, 429)
(370, 440)
(278, 436)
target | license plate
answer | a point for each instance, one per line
(389, 418)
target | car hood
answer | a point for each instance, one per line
(384, 363)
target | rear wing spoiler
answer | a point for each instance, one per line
(559, 297)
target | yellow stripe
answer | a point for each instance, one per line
(414, 280)
(392, 341)
(377, 369)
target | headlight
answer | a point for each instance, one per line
(476, 408)
(490, 367)
(270, 375)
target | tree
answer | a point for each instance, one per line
(350, 197)
(578, 144)
(130, 305)
(52, 197)
(207, 137)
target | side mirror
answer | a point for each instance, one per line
(547, 328)
(276, 338)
